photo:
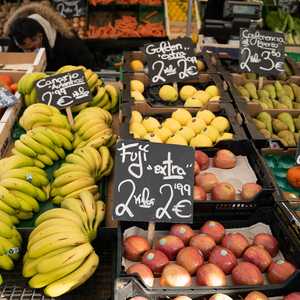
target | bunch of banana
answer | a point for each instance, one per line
(83, 168)
(21, 187)
(92, 128)
(10, 242)
(27, 88)
(46, 124)
(59, 254)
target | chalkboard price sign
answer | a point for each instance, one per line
(70, 8)
(171, 61)
(153, 182)
(7, 98)
(261, 52)
(64, 90)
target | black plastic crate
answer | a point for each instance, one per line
(99, 286)
(266, 215)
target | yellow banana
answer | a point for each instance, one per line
(76, 185)
(57, 121)
(41, 138)
(66, 144)
(57, 199)
(100, 112)
(15, 162)
(37, 108)
(29, 199)
(24, 206)
(97, 143)
(93, 189)
(8, 198)
(98, 97)
(50, 153)
(81, 144)
(34, 169)
(107, 106)
(89, 124)
(105, 154)
(96, 156)
(32, 143)
(20, 83)
(38, 163)
(83, 119)
(5, 230)
(76, 159)
(30, 82)
(90, 207)
(17, 234)
(24, 175)
(2, 249)
(69, 177)
(76, 141)
(24, 215)
(33, 118)
(92, 80)
(97, 196)
(113, 94)
(6, 263)
(100, 214)
(79, 107)
(50, 134)
(42, 197)
(108, 170)
(64, 131)
(20, 185)
(46, 189)
(45, 159)
(101, 133)
(64, 69)
(21, 147)
(14, 219)
(88, 73)
(4, 217)
(88, 157)
(93, 130)
(69, 167)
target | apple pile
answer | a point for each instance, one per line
(207, 182)
(210, 256)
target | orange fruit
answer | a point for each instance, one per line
(9, 88)
(14, 87)
(6, 78)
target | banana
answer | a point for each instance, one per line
(21, 147)
(88, 73)
(20, 83)
(64, 118)
(35, 170)
(64, 131)
(5, 230)
(69, 177)
(33, 118)
(66, 144)
(41, 138)
(21, 123)
(57, 121)
(76, 141)
(89, 124)
(54, 191)
(45, 159)
(97, 84)
(95, 110)
(40, 280)
(100, 214)
(37, 108)
(103, 101)
(79, 107)
(57, 199)
(96, 156)
(11, 250)
(42, 197)
(46, 189)
(60, 152)
(50, 153)
(92, 80)
(15, 220)
(8, 198)
(81, 144)
(97, 143)
(32, 143)
(98, 97)
(54, 109)
(97, 196)
(24, 206)
(58, 213)
(33, 99)
(38, 163)
(83, 119)
(112, 141)
(4, 217)
(20, 185)
(89, 205)
(7, 208)
(76, 185)
(30, 82)
(108, 170)
(55, 241)
(88, 157)
(93, 130)
(29, 199)
(6, 263)
(74, 279)
(113, 94)
(24, 175)
(69, 167)
(64, 69)
(93, 189)
(2, 249)
(105, 154)
(76, 159)
(50, 134)
(115, 109)
(71, 256)
(107, 106)
(24, 215)
(29, 265)
(101, 133)
(16, 242)
(17, 234)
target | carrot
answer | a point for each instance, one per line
(151, 14)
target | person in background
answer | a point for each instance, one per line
(34, 26)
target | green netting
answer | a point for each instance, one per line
(294, 56)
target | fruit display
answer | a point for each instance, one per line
(79, 25)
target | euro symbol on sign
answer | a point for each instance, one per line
(279, 66)
(177, 208)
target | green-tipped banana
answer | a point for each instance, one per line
(20, 185)
(30, 82)
(41, 138)
(34, 118)
(31, 143)
(113, 95)
(21, 147)
(50, 134)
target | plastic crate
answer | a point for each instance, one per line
(265, 215)
(99, 286)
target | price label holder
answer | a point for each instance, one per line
(64, 90)
(7, 98)
(70, 9)
(171, 61)
(261, 52)
(153, 182)
(297, 157)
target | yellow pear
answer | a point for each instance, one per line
(163, 132)
(211, 131)
(186, 132)
(137, 85)
(182, 115)
(152, 137)
(221, 123)
(136, 65)
(172, 124)
(168, 93)
(186, 92)
(150, 123)
(137, 128)
(196, 124)
(136, 116)
(202, 96)
(212, 90)
(200, 65)
(136, 95)
(200, 140)
(225, 136)
(205, 115)
(214, 98)
(176, 139)
(193, 102)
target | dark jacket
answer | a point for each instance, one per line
(68, 49)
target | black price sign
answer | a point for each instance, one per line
(7, 98)
(171, 61)
(288, 6)
(261, 52)
(70, 9)
(153, 182)
(64, 90)
(297, 157)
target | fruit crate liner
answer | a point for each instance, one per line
(98, 287)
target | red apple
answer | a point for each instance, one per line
(258, 256)
(214, 229)
(183, 231)
(196, 168)
(268, 241)
(255, 295)
(155, 260)
(135, 247)
(210, 275)
(205, 243)
(190, 258)
(220, 297)
(175, 275)
(206, 180)
(246, 273)
(199, 194)
(144, 272)
(202, 159)
(224, 159)
(170, 245)
(224, 259)
(223, 191)
(235, 242)
(279, 271)
(292, 296)
(250, 190)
